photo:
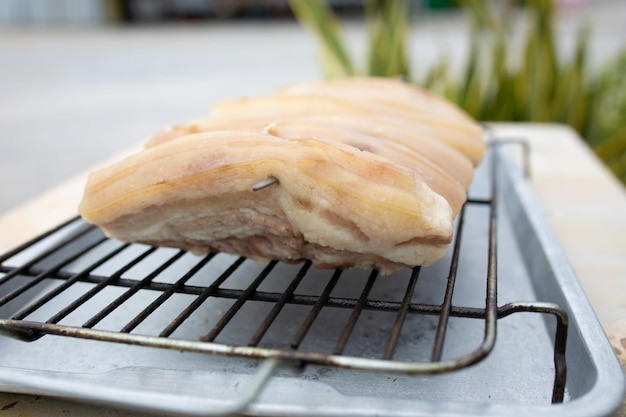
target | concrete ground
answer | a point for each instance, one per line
(73, 96)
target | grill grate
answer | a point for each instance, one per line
(49, 283)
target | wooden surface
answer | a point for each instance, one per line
(583, 202)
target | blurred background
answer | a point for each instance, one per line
(82, 80)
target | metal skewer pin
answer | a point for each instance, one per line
(265, 183)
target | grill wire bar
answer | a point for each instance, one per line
(35, 271)
(239, 303)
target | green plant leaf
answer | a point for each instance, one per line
(539, 87)
(319, 18)
(388, 23)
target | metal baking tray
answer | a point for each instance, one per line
(483, 332)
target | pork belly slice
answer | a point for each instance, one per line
(334, 204)
(434, 175)
(438, 179)
(403, 100)
(467, 141)
(385, 131)
(393, 92)
(443, 121)
(389, 108)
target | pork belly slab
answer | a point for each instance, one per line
(373, 189)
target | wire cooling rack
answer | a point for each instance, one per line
(74, 269)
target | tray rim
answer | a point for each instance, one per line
(607, 393)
